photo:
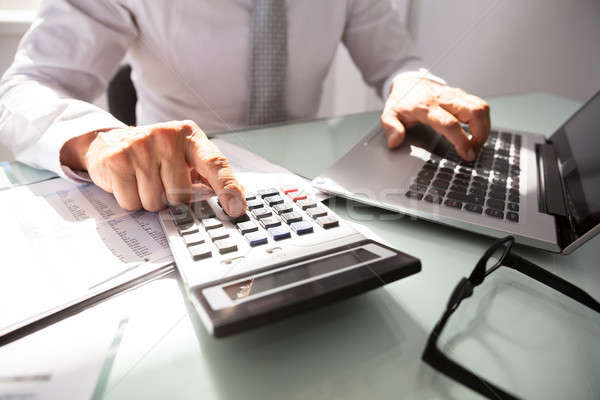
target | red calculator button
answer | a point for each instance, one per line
(289, 189)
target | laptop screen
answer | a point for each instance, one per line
(577, 143)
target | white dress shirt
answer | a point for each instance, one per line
(189, 60)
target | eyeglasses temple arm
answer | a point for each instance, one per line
(528, 268)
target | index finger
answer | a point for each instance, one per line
(470, 110)
(208, 160)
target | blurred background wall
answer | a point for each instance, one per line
(488, 47)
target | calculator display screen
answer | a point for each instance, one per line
(298, 273)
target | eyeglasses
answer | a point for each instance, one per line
(499, 254)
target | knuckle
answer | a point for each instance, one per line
(449, 123)
(119, 163)
(166, 142)
(217, 162)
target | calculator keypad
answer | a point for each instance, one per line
(274, 215)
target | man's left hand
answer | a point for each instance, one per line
(415, 100)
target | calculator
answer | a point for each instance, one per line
(287, 254)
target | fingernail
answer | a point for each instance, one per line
(235, 206)
(470, 154)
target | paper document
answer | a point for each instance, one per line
(63, 361)
(61, 240)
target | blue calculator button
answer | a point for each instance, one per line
(256, 238)
(302, 227)
(280, 232)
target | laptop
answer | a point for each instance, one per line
(544, 192)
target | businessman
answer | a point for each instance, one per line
(201, 66)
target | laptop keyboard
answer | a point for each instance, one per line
(488, 186)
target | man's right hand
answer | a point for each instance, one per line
(144, 166)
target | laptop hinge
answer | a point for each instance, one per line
(551, 195)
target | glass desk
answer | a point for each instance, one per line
(523, 337)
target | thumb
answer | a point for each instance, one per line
(394, 129)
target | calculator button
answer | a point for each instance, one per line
(218, 234)
(246, 227)
(291, 217)
(289, 189)
(328, 222)
(211, 223)
(267, 192)
(270, 222)
(242, 218)
(316, 212)
(226, 246)
(306, 204)
(282, 208)
(200, 251)
(178, 210)
(254, 204)
(302, 227)
(250, 196)
(256, 238)
(181, 216)
(262, 213)
(295, 196)
(272, 200)
(202, 209)
(193, 239)
(187, 229)
(280, 232)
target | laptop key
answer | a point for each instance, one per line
(474, 208)
(414, 195)
(453, 203)
(422, 181)
(513, 198)
(440, 184)
(444, 176)
(513, 207)
(497, 195)
(418, 188)
(456, 188)
(494, 213)
(437, 192)
(433, 199)
(511, 216)
(495, 204)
